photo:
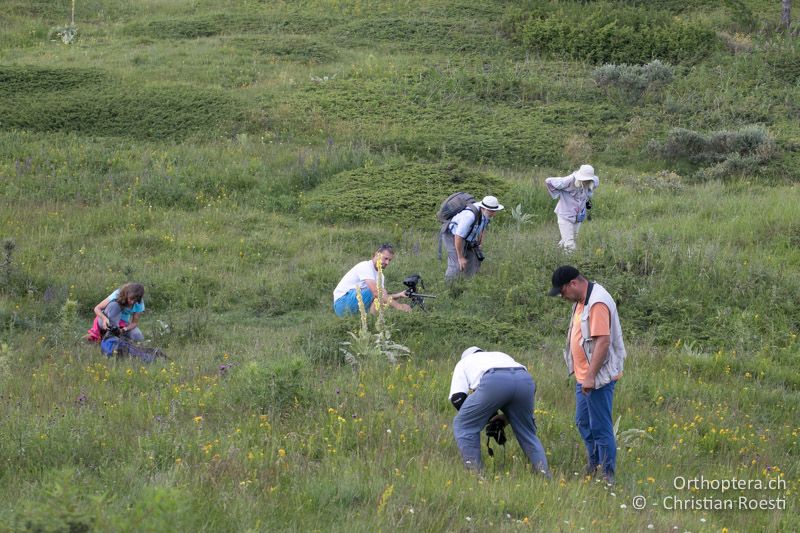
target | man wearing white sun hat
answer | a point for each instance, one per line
(464, 237)
(574, 193)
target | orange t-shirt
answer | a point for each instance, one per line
(599, 325)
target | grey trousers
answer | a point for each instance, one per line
(113, 312)
(512, 391)
(453, 272)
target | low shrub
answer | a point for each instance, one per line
(294, 47)
(404, 193)
(605, 34)
(577, 149)
(432, 116)
(723, 152)
(187, 28)
(633, 80)
(156, 112)
(422, 35)
(230, 24)
(19, 80)
(662, 181)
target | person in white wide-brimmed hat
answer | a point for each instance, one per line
(574, 193)
(464, 236)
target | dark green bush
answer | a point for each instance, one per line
(190, 28)
(139, 112)
(35, 8)
(295, 47)
(20, 80)
(230, 24)
(725, 152)
(605, 33)
(404, 116)
(422, 35)
(404, 193)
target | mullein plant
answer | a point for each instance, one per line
(383, 338)
(368, 345)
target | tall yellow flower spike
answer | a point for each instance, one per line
(379, 284)
(361, 309)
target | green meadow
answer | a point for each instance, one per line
(237, 158)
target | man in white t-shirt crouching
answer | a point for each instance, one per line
(487, 382)
(365, 276)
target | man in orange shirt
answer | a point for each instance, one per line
(595, 353)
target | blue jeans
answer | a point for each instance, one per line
(348, 303)
(593, 418)
(511, 390)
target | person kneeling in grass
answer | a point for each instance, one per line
(121, 309)
(365, 276)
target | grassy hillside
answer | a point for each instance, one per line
(238, 159)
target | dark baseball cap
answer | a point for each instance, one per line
(561, 276)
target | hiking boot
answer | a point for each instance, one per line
(608, 478)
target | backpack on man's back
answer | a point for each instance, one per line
(453, 205)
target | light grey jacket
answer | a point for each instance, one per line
(615, 359)
(571, 199)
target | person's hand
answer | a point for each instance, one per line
(462, 263)
(588, 384)
(500, 417)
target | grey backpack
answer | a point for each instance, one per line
(453, 205)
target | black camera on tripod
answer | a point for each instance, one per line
(417, 299)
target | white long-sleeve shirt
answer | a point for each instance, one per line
(571, 198)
